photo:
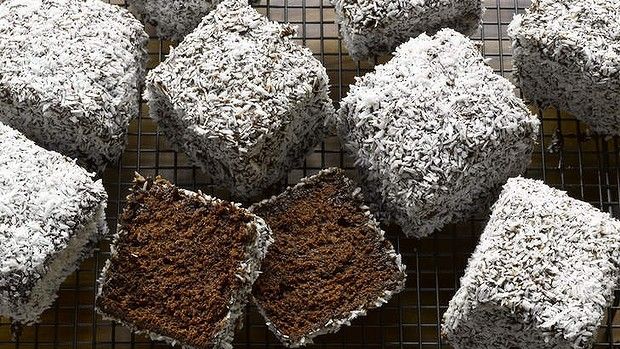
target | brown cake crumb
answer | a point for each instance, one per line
(182, 266)
(329, 262)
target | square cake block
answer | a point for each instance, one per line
(242, 99)
(174, 19)
(542, 275)
(69, 75)
(371, 27)
(567, 54)
(51, 216)
(435, 133)
(182, 265)
(329, 263)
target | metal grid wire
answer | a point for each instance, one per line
(567, 157)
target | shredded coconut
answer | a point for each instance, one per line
(69, 75)
(567, 54)
(542, 275)
(434, 132)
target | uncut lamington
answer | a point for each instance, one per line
(330, 262)
(434, 133)
(542, 275)
(567, 54)
(69, 75)
(174, 19)
(243, 100)
(182, 265)
(51, 215)
(371, 27)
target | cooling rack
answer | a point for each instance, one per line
(567, 157)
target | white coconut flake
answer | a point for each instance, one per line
(371, 27)
(434, 133)
(567, 54)
(241, 98)
(51, 215)
(542, 275)
(174, 19)
(69, 75)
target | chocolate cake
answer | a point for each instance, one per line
(371, 27)
(241, 99)
(329, 263)
(567, 54)
(435, 133)
(69, 75)
(182, 265)
(52, 213)
(542, 275)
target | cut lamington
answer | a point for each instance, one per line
(567, 54)
(371, 27)
(241, 98)
(542, 275)
(329, 263)
(435, 133)
(69, 75)
(182, 265)
(51, 216)
(174, 19)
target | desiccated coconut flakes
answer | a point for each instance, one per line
(371, 27)
(542, 275)
(567, 54)
(51, 215)
(241, 98)
(434, 132)
(69, 75)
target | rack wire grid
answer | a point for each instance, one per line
(567, 157)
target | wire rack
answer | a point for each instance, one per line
(567, 157)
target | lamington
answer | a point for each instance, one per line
(51, 216)
(182, 265)
(434, 133)
(329, 263)
(174, 19)
(69, 75)
(567, 54)
(372, 27)
(542, 275)
(241, 99)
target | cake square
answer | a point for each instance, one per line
(372, 27)
(567, 54)
(435, 133)
(51, 216)
(542, 275)
(182, 265)
(241, 99)
(174, 19)
(329, 263)
(69, 75)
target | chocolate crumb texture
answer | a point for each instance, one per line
(330, 262)
(182, 265)
(372, 27)
(69, 75)
(542, 275)
(174, 19)
(434, 133)
(51, 217)
(241, 99)
(567, 55)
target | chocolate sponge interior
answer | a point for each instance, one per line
(326, 260)
(174, 270)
